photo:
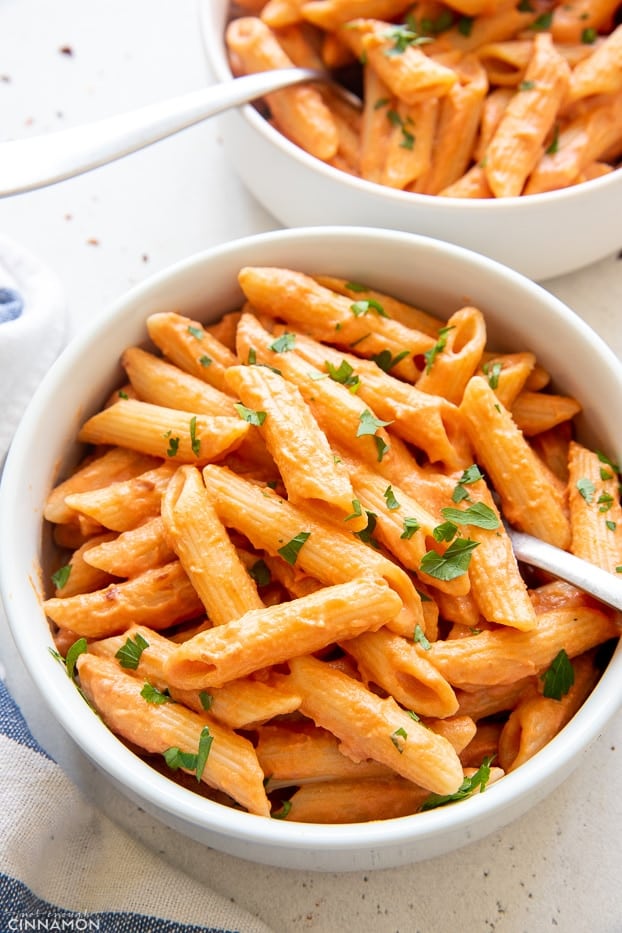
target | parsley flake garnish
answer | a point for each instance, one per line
(420, 639)
(290, 551)
(205, 360)
(410, 526)
(283, 812)
(365, 305)
(260, 573)
(74, 652)
(398, 738)
(206, 699)
(284, 343)
(194, 440)
(479, 780)
(586, 488)
(175, 758)
(129, 654)
(248, 414)
(453, 563)
(492, 371)
(366, 535)
(559, 677)
(343, 374)
(369, 424)
(173, 444)
(197, 332)
(61, 576)
(152, 695)
(471, 475)
(478, 514)
(389, 497)
(357, 511)
(431, 354)
(386, 361)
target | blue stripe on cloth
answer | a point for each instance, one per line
(14, 726)
(22, 910)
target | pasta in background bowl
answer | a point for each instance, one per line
(541, 235)
(435, 277)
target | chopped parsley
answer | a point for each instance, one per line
(542, 22)
(386, 361)
(290, 551)
(205, 361)
(61, 576)
(453, 563)
(420, 639)
(586, 488)
(366, 535)
(553, 146)
(173, 444)
(74, 652)
(365, 305)
(206, 699)
(152, 695)
(478, 514)
(260, 573)
(398, 738)
(197, 332)
(343, 374)
(479, 780)
(471, 475)
(410, 526)
(283, 813)
(284, 343)
(389, 497)
(248, 414)
(403, 37)
(194, 440)
(357, 511)
(369, 424)
(175, 758)
(526, 85)
(589, 35)
(559, 677)
(129, 654)
(492, 371)
(431, 354)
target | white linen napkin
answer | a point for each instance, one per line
(33, 329)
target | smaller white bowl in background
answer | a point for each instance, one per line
(542, 235)
(437, 276)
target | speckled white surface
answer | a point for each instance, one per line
(558, 868)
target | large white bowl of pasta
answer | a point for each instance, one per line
(251, 555)
(493, 126)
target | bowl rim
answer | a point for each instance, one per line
(137, 776)
(211, 22)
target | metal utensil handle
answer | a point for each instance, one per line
(27, 164)
(605, 586)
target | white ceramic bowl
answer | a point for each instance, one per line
(437, 276)
(541, 236)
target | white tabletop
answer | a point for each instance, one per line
(558, 867)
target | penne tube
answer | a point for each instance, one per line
(294, 439)
(503, 22)
(95, 472)
(299, 111)
(456, 356)
(407, 314)
(306, 542)
(327, 316)
(600, 72)
(507, 374)
(159, 382)
(82, 576)
(430, 422)
(241, 704)
(263, 637)
(181, 436)
(497, 586)
(505, 62)
(369, 726)
(484, 744)
(492, 110)
(231, 765)
(570, 20)
(480, 702)
(473, 184)
(391, 662)
(505, 655)
(534, 412)
(458, 730)
(157, 598)
(280, 14)
(300, 753)
(355, 800)
(191, 347)
(457, 127)
(330, 14)
(582, 140)
(411, 75)
(532, 498)
(204, 549)
(552, 448)
(127, 503)
(132, 552)
(537, 719)
(516, 146)
(595, 512)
